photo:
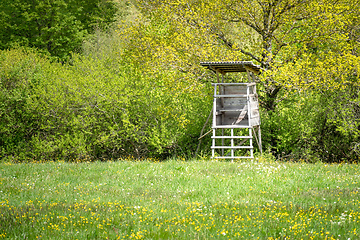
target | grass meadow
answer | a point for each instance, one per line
(179, 200)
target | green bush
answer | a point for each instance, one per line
(312, 126)
(94, 108)
(104, 105)
(56, 27)
(20, 72)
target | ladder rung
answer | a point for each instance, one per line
(234, 147)
(232, 95)
(231, 110)
(231, 126)
(233, 84)
(227, 157)
(229, 137)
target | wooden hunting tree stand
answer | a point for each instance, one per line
(235, 112)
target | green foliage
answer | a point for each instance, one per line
(138, 89)
(313, 127)
(20, 73)
(98, 108)
(308, 51)
(57, 27)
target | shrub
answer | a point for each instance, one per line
(94, 108)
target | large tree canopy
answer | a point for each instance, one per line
(308, 50)
(294, 41)
(54, 26)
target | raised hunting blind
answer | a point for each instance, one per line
(235, 112)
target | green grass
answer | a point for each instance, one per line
(179, 200)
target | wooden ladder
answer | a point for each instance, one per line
(232, 147)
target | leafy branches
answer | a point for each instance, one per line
(304, 46)
(57, 27)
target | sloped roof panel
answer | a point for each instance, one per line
(229, 67)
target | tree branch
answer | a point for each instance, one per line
(229, 44)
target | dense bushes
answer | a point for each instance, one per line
(138, 90)
(105, 107)
(313, 126)
(54, 27)
(19, 75)
(93, 109)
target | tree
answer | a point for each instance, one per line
(57, 27)
(303, 46)
(271, 33)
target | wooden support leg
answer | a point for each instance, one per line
(260, 144)
(201, 134)
(232, 144)
(251, 144)
(213, 143)
(222, 142)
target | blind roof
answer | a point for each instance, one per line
(228, 67)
